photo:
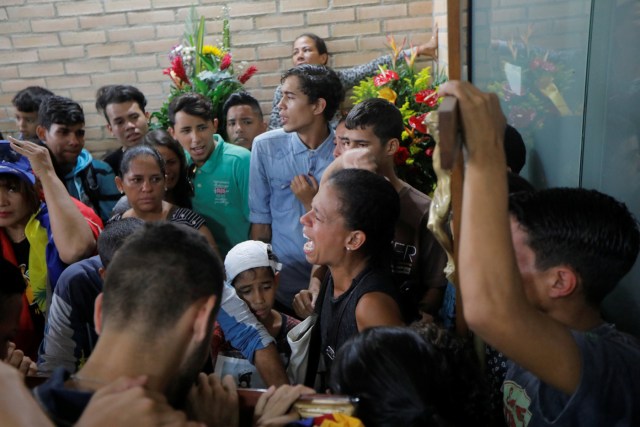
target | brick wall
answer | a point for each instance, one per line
(74, 47)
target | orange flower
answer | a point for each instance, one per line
(396, 50)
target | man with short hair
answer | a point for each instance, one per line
(27, 103)
(533, 271)
(221, 170)
(302, 148)
(418, 260)
(123, 107)
(70, 335)
(61, 129)
(244, 120)
(160, 299)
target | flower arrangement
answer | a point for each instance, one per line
(414, 93)
(534, 85)
(205, 69)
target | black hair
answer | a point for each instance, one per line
(118, 94)
(463, 394)
(193, 104)
(318, 81)
(516, 183)
(28, 100)
(114, 235)
(12, 283)
(241, 98)
(514, 149)
(182, 192)
(381, 115)
(59, 110)
(394, 373)
(589, 231)
(157, 274)
(321, 46)
(369, 203)
(137, 151)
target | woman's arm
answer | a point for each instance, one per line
(274, 118)
(377, 309)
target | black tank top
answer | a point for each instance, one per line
(338, 315)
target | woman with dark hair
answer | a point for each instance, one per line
(179, 191)
(42, 231)
(143, 180)
(349, 229)
(396, 375)
(310, 48)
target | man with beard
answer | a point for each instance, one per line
(155, 318)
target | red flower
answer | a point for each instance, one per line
(385, 77)
(427, 96)
(401, 156)
(429, 152)
(177, 71)
(417, 122)
(226, 61)
(248, 74)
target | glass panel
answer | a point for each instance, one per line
(612, 134)
(533, 54)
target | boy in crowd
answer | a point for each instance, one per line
(252, 269)
(244, 120)
(61, 129)
(302, 147)
(27, 103)
(220, 171)
(123, 107)
(160, 299)
(533, 273)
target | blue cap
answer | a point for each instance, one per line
(13, 163)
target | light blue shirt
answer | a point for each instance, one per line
(276, 158)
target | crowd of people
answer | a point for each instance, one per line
(149, 286)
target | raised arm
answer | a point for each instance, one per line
(495, 305)
(73, 237)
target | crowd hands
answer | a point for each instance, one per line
(164, 304)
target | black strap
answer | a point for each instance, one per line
(315, 341)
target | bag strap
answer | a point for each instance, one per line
(315, 340)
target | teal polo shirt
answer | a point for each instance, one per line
(221, 194)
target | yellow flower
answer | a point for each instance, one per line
(211, 50)
(388, 94)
